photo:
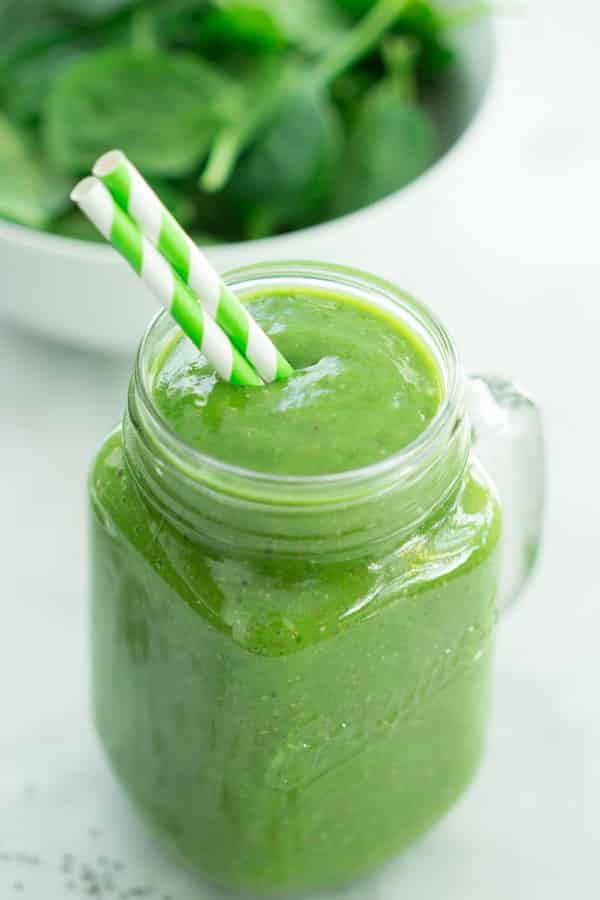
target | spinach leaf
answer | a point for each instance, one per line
(25, 24)
(310, 24)
(271, 103)
(356, 7)
(239, 26)
(205, 239)
(286, 177)
(361, 41)
(177, 21)
(348, 90)
(266, 92)
(162, 109)
(27, 81)
(393, 140)
(218, 214)
(259, 88)
(94, 9)
(427, 22)
(29, 193)
(178, 198)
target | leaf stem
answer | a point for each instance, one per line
(366, 35)
(400, 57)
(233, 139)
(222, 158)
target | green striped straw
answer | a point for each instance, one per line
(96, 201)
(136, 197)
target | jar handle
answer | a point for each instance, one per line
(508, 439)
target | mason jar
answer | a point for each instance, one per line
(291, 674)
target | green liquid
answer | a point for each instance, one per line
(363, 388)
(289, 723)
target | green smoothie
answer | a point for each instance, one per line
(293, 690)
(363, 389)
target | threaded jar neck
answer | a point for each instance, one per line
(340, 515)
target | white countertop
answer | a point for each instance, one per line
(516, 276)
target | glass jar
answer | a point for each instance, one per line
(291, 674)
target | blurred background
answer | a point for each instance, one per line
(499, 237)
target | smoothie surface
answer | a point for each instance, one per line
(364, 388)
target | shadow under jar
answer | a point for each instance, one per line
(291, 674)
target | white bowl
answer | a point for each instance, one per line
(83, 293)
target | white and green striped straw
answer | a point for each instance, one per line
(96, 201)
(137, 198)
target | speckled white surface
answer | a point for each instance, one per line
(514, 270)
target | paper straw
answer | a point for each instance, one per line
(96, 201)
(137, 198)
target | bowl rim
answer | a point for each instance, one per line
(103, 252)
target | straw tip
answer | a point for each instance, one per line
(108, 162)
(83, 188)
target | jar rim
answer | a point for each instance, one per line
(369, 288)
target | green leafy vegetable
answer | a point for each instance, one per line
(162, 109)
(217, 214)
(265, 95)
(94, 9)
(250, 117)
(286, 177)
(357, 7)
(25, 24)
(240, 26)
(425, 23)
(430, 24)
(274, 102)
(393, 143)
(310, 24)
(29, 193)
(393, 140)
(178, 198)
(27, 81)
